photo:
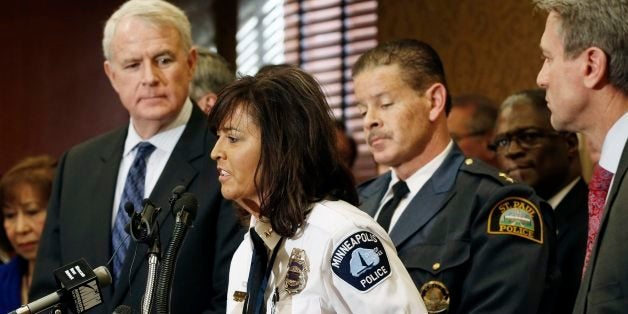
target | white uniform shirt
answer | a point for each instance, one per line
(351, 266)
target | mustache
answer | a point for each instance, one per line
(377, 135)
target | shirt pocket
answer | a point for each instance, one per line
(443, 262)
(311, 305)
(436, 258)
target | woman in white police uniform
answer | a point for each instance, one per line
(309, 250)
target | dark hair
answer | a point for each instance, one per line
(38, 172)
(267, 68)
(349, 154)
(484, 113)
(419, 63)
(299, 164)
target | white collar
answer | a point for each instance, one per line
(265, 231)
(416, 180)
(161, 140)
(558, 197)
(614, 144)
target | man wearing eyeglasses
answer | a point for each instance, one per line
(531, 151)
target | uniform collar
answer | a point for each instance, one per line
(265, 231)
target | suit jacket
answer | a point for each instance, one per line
(572, 220)
(79, 217)
(443, 240)
(604, 288)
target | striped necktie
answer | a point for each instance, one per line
(133, 193)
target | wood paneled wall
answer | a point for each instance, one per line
(54, 93)
(488, 47)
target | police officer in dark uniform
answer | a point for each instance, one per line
(472, 239)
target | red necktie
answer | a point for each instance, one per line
(598, 189)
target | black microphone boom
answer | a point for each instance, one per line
(80, 289)
(185, 209)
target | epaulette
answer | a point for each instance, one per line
(479, 167)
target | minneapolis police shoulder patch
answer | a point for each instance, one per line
(360, 260)
(516, 216)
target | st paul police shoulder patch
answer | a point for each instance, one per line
(360, 260)
(516, 216)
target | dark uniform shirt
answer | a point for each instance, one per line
(474, 241)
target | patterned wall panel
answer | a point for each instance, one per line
(488, 47)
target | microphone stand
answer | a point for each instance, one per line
(154, 255)
(185, 211)
(145, 229)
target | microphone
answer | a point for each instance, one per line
(141, 224)
(176, 194)
(80, 289)
(185, 209)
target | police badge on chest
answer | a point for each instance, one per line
(296, 278)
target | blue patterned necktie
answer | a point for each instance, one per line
(133, 193)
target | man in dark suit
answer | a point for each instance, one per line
(472, 240)
(585, 74)
(149, 61)
(529, 150)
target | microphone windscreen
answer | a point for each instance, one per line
(187, 202)
(123, 309)
(178, 189)
(103, 276)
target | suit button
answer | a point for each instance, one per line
(436, 266)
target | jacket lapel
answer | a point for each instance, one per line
(429, 200)
(98, 222)
(373, 193)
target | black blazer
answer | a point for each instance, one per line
(79, 222)
(572, 220)
(442, 236)
(604, 288)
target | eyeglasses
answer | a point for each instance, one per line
(525, 138)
